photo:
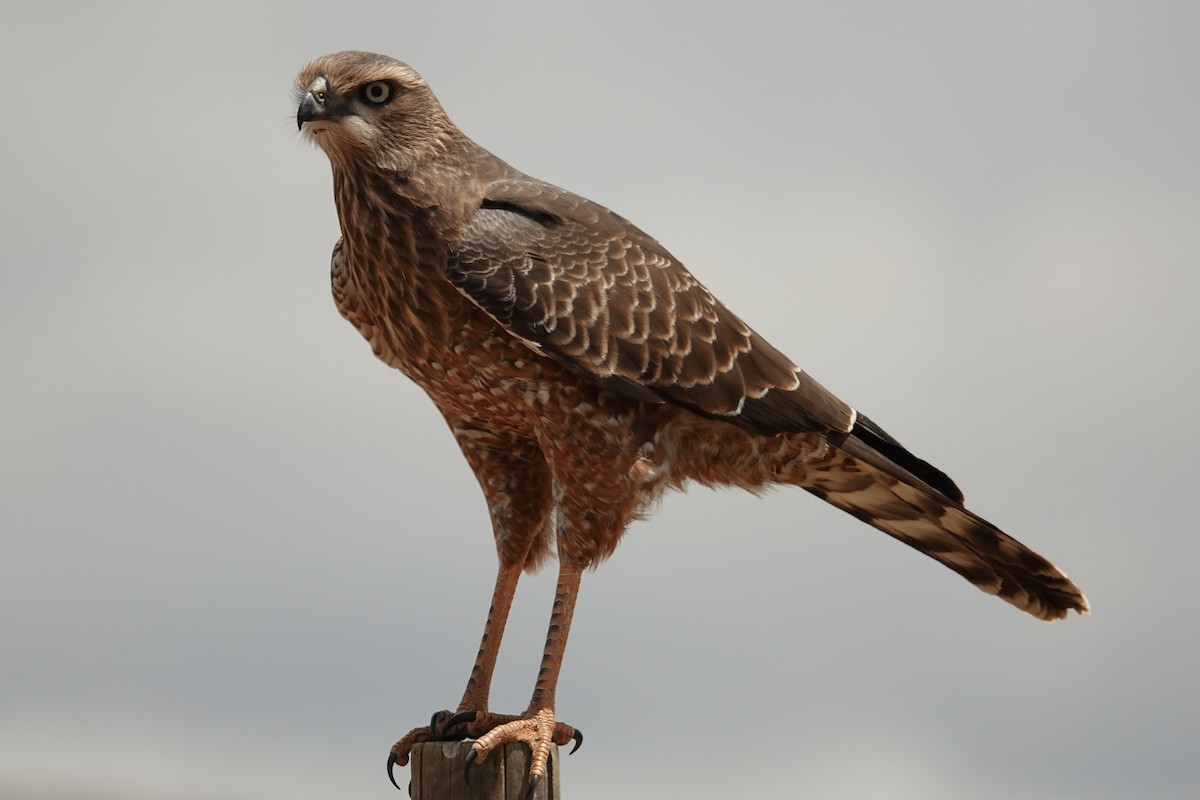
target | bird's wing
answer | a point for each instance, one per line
(579, 283)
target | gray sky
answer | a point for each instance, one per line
(241, 558)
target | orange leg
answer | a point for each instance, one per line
(537, 726)
(479, 685)
(443, 726)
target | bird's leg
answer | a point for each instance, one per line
(479, 685)
(447, 727)
(537, 726)
(516, 484)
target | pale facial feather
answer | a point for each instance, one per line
(396, 135)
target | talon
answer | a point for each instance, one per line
(533, 782)
(578, 737)
(391, 775)
(461, 717)
(467, 766)
(437, 717)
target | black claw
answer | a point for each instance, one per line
(410, 788)
(391, 776)
(461, 717)
(578, 737)
(533, 782)
(437, 717)
(467, 766)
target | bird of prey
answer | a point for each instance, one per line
(583, 370)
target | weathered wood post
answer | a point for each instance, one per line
(437, 773)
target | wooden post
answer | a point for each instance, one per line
(437, 773)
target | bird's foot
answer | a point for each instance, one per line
(538, 730)
(490, 730)
(442, 727)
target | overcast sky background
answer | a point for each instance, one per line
(241, 557)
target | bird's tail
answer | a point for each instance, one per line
(871, 476)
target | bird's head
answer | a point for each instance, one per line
(363, 108)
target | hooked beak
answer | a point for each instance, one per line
(310, 108)
(316, 104)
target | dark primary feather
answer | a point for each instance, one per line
(872, 443)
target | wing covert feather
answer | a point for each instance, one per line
(586, 287)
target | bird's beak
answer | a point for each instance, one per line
(310, 108)
(317, 104)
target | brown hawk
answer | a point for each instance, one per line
(583, 370)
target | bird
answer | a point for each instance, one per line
(583, 371)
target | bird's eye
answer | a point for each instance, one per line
(377, 92)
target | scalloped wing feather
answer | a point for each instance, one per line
(585, 286)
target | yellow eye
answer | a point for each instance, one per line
(377, 92)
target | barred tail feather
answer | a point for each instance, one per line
(924, 518)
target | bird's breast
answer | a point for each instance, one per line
(417, 322)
